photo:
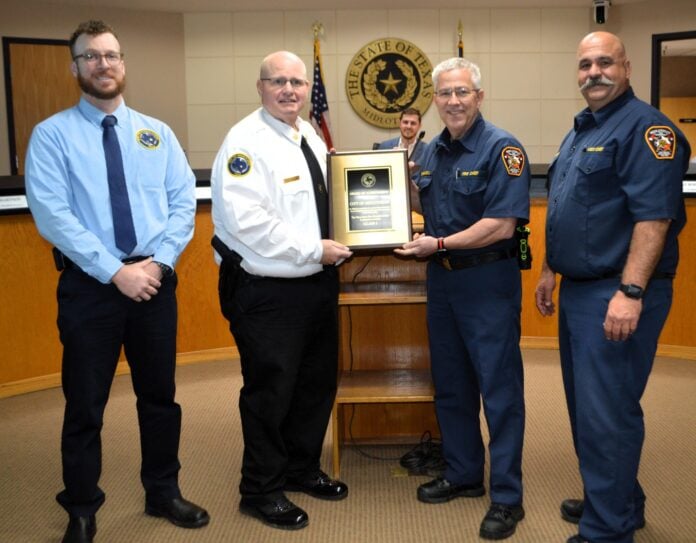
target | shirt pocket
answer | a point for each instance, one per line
(469, 184)
(296, 193)
(596, 175)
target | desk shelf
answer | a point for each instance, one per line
(386, 386)
(402, 375)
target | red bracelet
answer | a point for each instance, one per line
(440, 244)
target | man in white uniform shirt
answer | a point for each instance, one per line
(279, 290)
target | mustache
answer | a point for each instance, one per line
(596, 81)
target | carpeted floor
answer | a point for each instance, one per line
(381, 508)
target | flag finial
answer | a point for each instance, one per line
(318, 29)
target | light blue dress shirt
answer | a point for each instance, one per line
(68, 194)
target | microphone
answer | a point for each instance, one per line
(420, 137)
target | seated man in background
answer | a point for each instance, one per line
(409, 124)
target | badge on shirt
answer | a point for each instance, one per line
(513, 158)
(147, 138)
(239, 164)
(662, 142)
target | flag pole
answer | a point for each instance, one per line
(460, 43)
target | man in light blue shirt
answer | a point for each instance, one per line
(111, 293)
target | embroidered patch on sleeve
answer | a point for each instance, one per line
(513, 158)
(662, 142)
(239, 165)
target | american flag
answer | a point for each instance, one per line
(319, 115)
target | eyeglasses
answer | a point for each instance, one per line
(459, 92)
(280, 82)
(93, 57)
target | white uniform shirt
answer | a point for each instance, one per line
(263, 199)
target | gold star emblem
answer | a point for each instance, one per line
(390, 84)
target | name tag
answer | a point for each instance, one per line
(291, 179)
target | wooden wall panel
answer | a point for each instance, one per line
(201, 325)
(29, 345)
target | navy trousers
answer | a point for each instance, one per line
(474, 327)
(604, 382)
(95, 321)
(286, 331)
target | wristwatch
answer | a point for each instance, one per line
(166, 270)
(632, 291)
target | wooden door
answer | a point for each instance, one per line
(682, 112)
(38, 83)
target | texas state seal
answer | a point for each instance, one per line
(387, 76)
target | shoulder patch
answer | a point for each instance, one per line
(239, 164)
(662, 142)
(513, 158)
(147, 138)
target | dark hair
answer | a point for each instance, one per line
(410, 111)
(91, 28)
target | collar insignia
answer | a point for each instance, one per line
(662, 142)
(513, 159)
(147, 138)
(239, 164)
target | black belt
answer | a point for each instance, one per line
(459, 262)
(616, 275)
(67, 263)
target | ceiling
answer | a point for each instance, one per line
(198, 6)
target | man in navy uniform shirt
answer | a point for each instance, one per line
(473, 188)
(615, 208)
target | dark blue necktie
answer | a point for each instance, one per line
(124, 231)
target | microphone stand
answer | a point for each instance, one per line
(413, 151)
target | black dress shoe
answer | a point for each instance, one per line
(500, 521)
(440, 490)
(180, 512)
(277, 511)
(571, 511)
(318, 485)
(80, 530)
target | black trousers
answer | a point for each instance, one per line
(286, 331)
(95, 321)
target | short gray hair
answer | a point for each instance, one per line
(458, 63)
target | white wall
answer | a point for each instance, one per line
(153, 44)
(527, 59)
(202, 80)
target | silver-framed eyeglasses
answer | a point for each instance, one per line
(94, 57)
(280, 82)
(459, 92)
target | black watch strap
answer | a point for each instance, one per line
(166, 270)
(632, 291)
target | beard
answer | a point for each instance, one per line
(89, 88)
